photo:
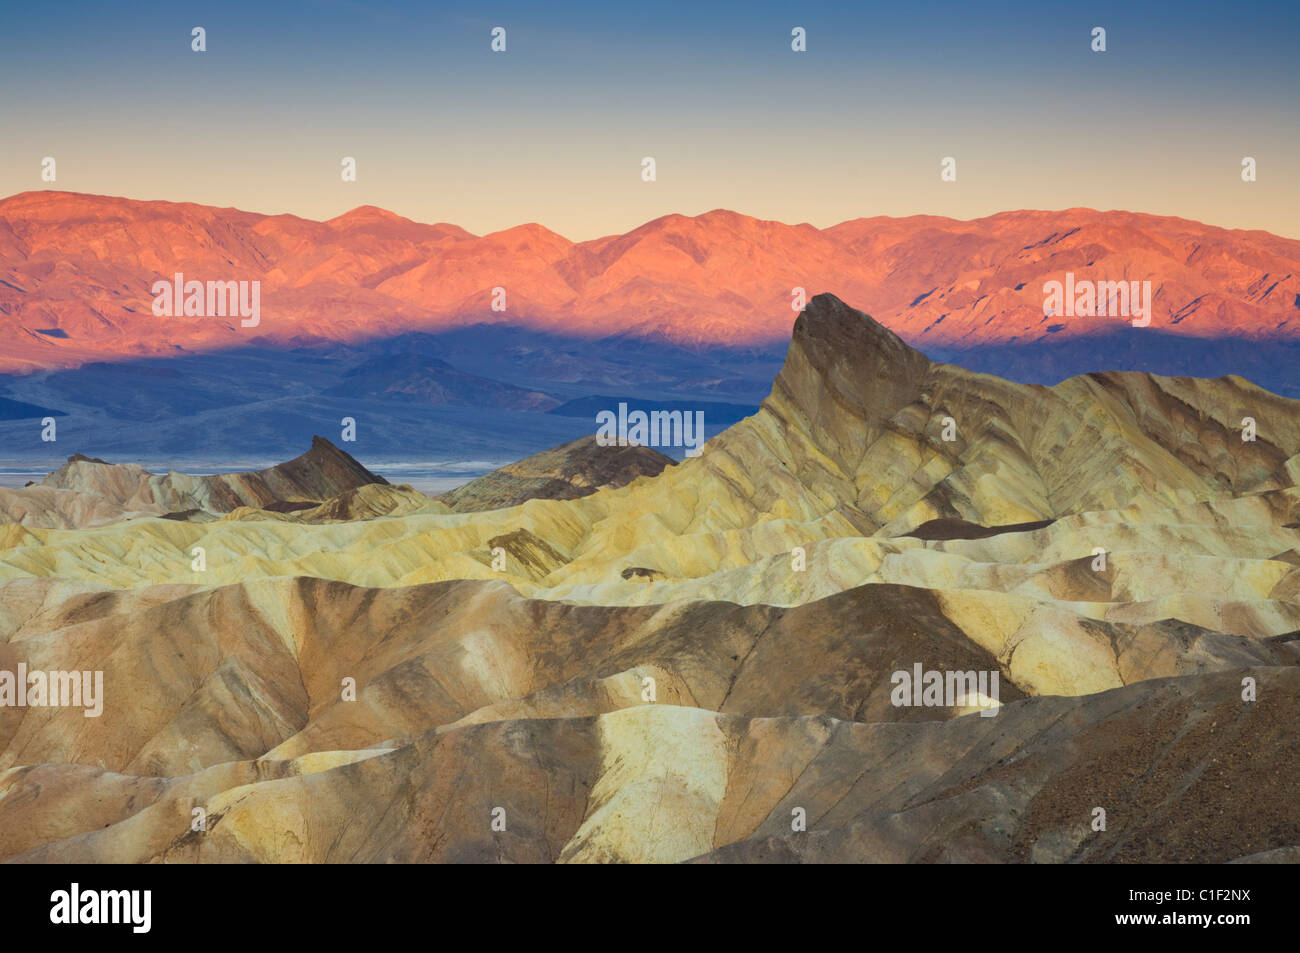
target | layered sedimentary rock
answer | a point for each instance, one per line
(703, 664)
(87, 491)
(571, 470)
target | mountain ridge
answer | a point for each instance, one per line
(84, 265)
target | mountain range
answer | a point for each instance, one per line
(388, 322)
(76, 273)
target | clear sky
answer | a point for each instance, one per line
(554, 129)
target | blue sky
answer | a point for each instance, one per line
(554, 129)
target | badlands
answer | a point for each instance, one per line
(693, 662)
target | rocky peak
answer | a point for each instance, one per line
(841, 355)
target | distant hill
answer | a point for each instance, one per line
(417, 379)
(566, 472)
(21, 410)
(715, 413)
(88, 491)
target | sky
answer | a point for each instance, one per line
(554, 129)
